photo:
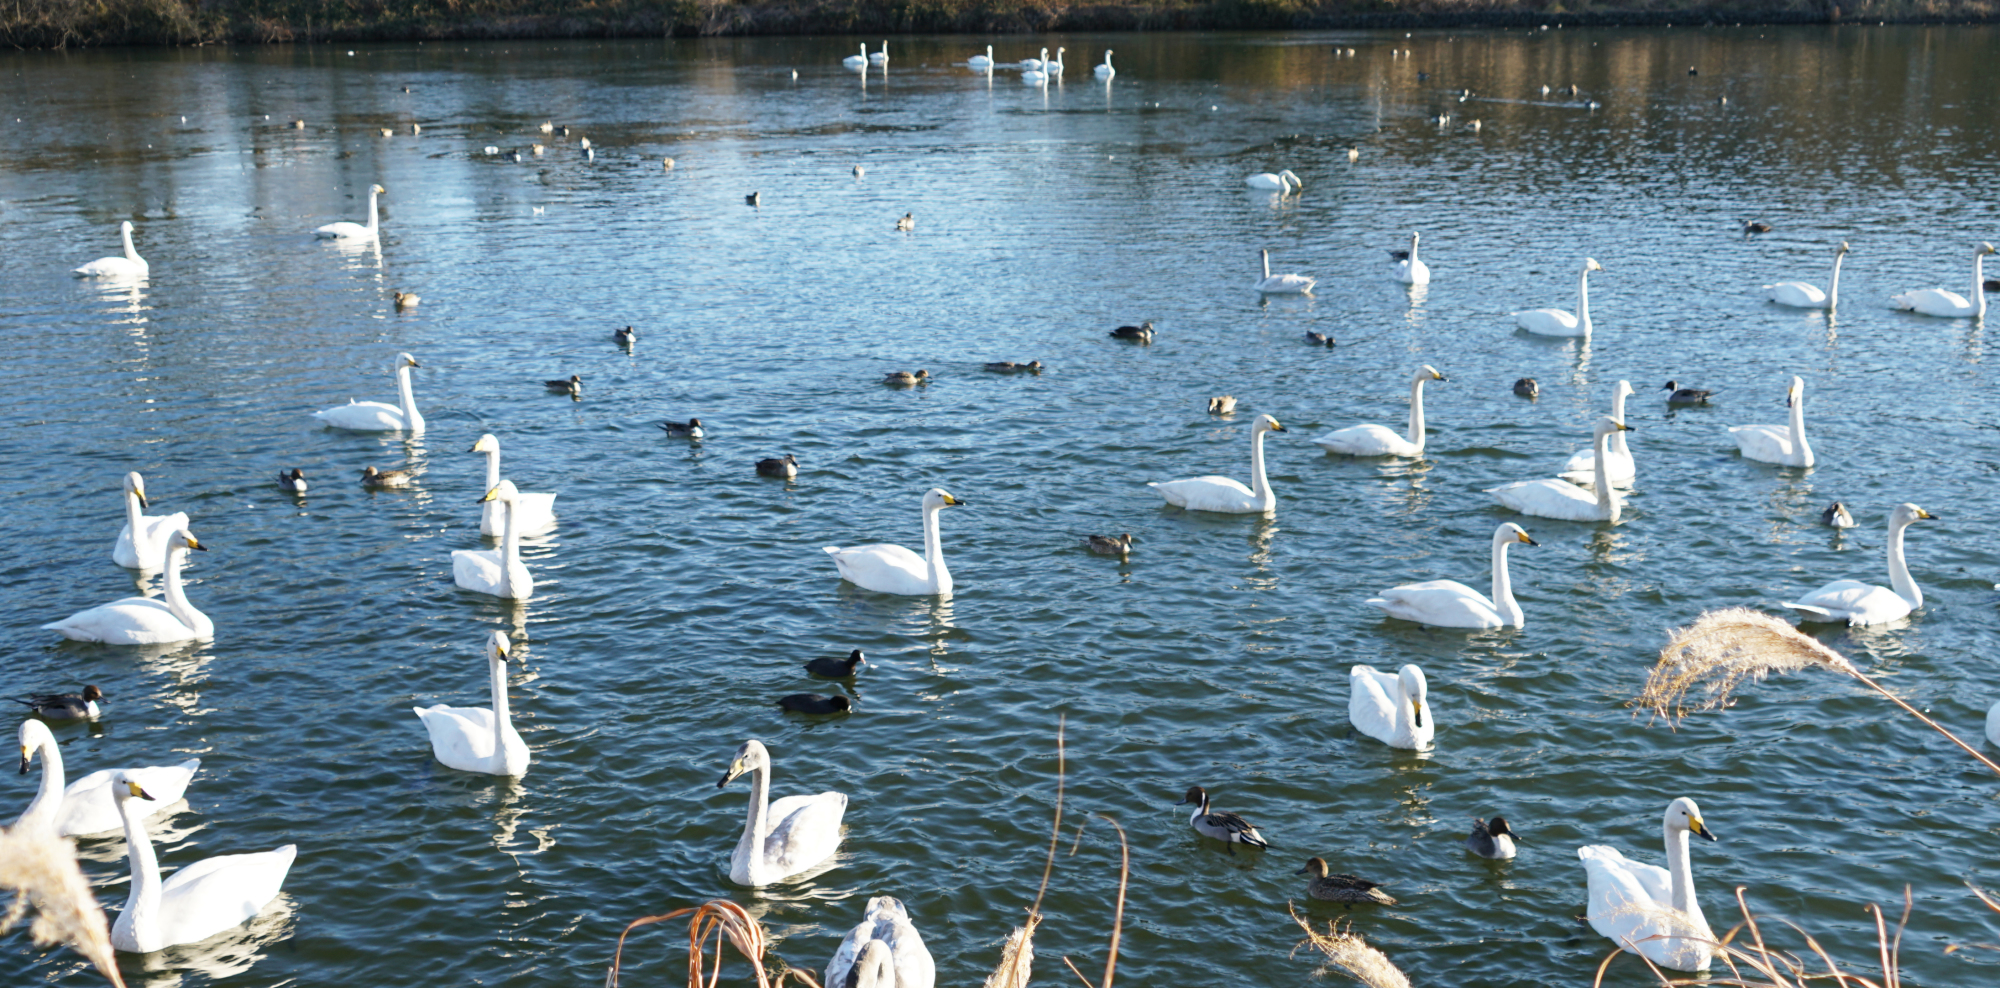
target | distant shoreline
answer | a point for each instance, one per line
(93, 23)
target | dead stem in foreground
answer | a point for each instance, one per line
(1345, 950)
(1117, 914)
(1017, 954)
(1760, 966)
(41, 870)
(717, 918)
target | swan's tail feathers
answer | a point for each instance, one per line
(1904, 302)
(1380, 602)
(832, 550)
(1807, 609)
(1151, 483)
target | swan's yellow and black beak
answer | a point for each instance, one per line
(141, 793)
(1275, 427)
(26, 758)
(140, 493)
(1696, 827)
(1622, 427)
(1523, 537)
(948, 499)
(196, 545)
(1417, 713)
(735, 769)
(1438, 377)
(1921, 513)
(490, 495)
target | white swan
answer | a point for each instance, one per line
(142, 543)
(1560, 499)
(1224, 494)
(1390, 709)
(1949, 305)
(1860, 603)
(885, 927)
(1283, 284)
(536, 512)
(479, 739)
(499, 572)
(1784, 445)
(1104, 69)
(1054, 66)
(129, 266)
(1035, 70)
(356, 231)
(1451, 604)
(983, 62)
(1378, 440)
(1582, 466)
(1630, 901)
(1800, 295)
(1410, 269)
(1034, 63)
(784, 838)
(880, 57)
(857, 61)
(1993, 724)
(1284, 182)
(887, 568)
(376, 416)
(145, 620)
(201, 899)
(1556, 322)
(85, 806)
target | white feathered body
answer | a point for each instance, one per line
(1368, 440)
(888, 568)
(480, 570)
(1440, 604)
(1550, 322)
(151, 548)
(800, 832)
(886, 920)
(1631, 900)
(132, 621)
(1797, 294)
(87, 806)
(1376, 706)
(1854, 602)
(1557, 499)
(365, 416)
(462, 738)
(1769, 444)
(1935, 302)
(206, 898)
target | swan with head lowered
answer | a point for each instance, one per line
(1858, 603)
(1631, 901)
(1379, 440)
(783, 838)
(1949, 305)
(145, 620)
(888, 568)
(537, 512)
(1391, 709)
(1562, 500)
(86, 805)
(499, 572)
(1556, 322)
(142, 543)
(1451, 604)
(1582, 467)
(1803, 295)
(202, 899)
(1283, 183)
(376, 416)
(1224, 494)
(356, 231)
(129, 266)
(479, 739)
(1784, 445)
(884, 950)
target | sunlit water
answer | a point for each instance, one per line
(680, 592)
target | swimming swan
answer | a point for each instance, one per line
(1563, 500)
(982, 62)
(202, 899)
(355, 231)
(1860, 603)
(1630, 901)
(1949, 305)
(1283, 284)
(1784, 445)
(1377, 440)
(129, 266)
(1390, 709)
(886, 568)
(86, 806)
(1556, 322)
(1104, 69)
(885, 926)
(145, 620)
(1223, 494)
(499, 572)
(537, 511)
(784, 838)
(1409, 269)
(1035, 70)
(479, 739)
(880, 57)
(142, 543)
(376, 416)
(1800, 295)
(1283, 183)
(857, 61)
(1451, 604)
(1582, 466)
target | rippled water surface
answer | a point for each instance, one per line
(680, 592)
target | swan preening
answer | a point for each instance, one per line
(1582, 466)
(1802, 295)
(145, 620)
(356, 231)
(887, 568)
(142, 543)
(1282, 284)
(86, 806)
(1283, 183)
(884, 951)
(1784, 445)
(1630, 901)
(1556, 322)
(376, 416)
(129, 266)
(1451, 604)
(1562, 500)
(1949, 305)
(1391, 709)
(1224, 494)
(1377, 440)
(499, 572)
(533, 512)
(479, 739)
(202, 899)
(1410, 269)
(784, 838)
(1858, 603)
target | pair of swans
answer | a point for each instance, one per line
(1949, 305)
(1035, 71)
(356, 231)
(1801, 295)
(145, 620)
(479, 739)
(1631, 901)
(498, 572)
(887, 568)
(1564, 501)
(1581, 468)
(883, 951)
(1223, 494)
(142, 543)
(1283, 183)
(784, 838)
(1410, 269)
(376, 416)
(201, 899)
(129, 266)
(1282, 284)
(1391, 709)
(1556, 322)
(1784, 445)
(1860, 604)
(1376, 440)
(1451, 604)
(536, 512)
(86, 806)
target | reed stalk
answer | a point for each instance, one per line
(1760, 966)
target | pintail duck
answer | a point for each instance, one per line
(1491, 840)
(1226, 827)
(1341, 888)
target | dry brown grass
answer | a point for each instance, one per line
(1758, 965)
(717, 918)
(41, 870)
(1344, 949)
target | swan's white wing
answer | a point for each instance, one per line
(214, 894)
(1279, 284)
(461, 737)
(914, 966)
(1549, 499)
(1368, 440)
(1767, 443)
(132, 621)
(1853, 601)
(536, 512)
(344, 230)
(476, 569)
(883, 568)
(150, 550)
(806, 831)
(113, 267)
(1548, 322)
(363, 416)
(89, 808)
(1440, 604)
(1630, 901)
(1369, 705)
(849, 949)
(1582, 468)
(1797, 294)
(1208, 494)
(1933, 302)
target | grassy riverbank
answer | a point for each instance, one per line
(59, 23)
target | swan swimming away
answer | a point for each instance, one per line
(984, 62)
(86, 805)
(887, 568)
(142, 543)
(479, 739)
(1377, 440)
(1949, 305)
(1556, 322)
(499, 572)
(1283, 284)
(1451, 604)
(1104, 69)
(537, 512)
(129, 266)
(201, 899)
(784, 838)
(1630, 901)
(1860, 604)
(145, 620)
(1391, 709)
(356, 231)
(376, 416)
(885, 929)
(1562, 500)
(857, 61)
(1784, 445)
(1801, 295)
(1409, 269)
(1223, 494)
(1581, 468)
(1283, 183)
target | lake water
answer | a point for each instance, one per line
(680, 592)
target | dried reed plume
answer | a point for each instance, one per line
(1760, 966)
(40, 869)
(1345, 949)
(717, 918)
(1723, 649)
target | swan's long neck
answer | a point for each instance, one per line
(1833, 284)
(48, 796)
(752, 844)
(1413, 250)
(1267, 254)
(501, 719)
(413, 420)
(1978, 295)
(1799, 447)
(493, 468)
(131, 252)
(1607, 505)
(1583, 300)
(374, 220)
(143, 901)
(1416, 436)
(1899, 571)
(1260, 486)
(1617, 444)
(510, 547)
(934, 552)
(1503, 585)
(177, 601)
(133, 516)
(1680, 878)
